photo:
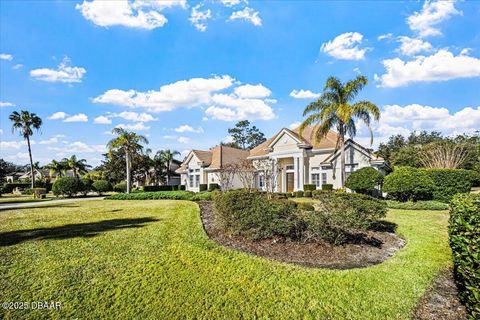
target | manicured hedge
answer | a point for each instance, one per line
(309, 187)
(202, 196)
(308, 193)
(157, 188)
(101, 186)
(406, 183)
(120, 187)
(327, 186)
(213, 186)
(203, 187)
(449, 182)
(86, 186)
(8, 187)
(172, 195)
(364, 180)
(464, 232)
(182, 187)
(67, 186)
(298, 194)
(419, 205)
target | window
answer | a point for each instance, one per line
(289, 167)
(324, 178)
(316, 179)
(190, 181)
(197, 170)
(197, 181)
(261, 181)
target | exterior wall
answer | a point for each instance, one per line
(213, 177)
(194, 164)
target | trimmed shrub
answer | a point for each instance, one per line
(289, 194)
(464, 236)
(101, 186)
(85, 185)
(157, 188)
(406, 183)
(309, 187)
(308, 193)
(305, 206)
(159, 195)
(320, 192)
(66, 186)
(120, 187)
(449, 182)
(327, 186)
(9, 187)
(253, 215)
(419, 205)
(206, 195)
(364, 180)
(213, 186)
(203, 187)
(299, 194)
(280, 195)
(175, 188)
(182, 187)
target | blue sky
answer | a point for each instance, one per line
(183, 72)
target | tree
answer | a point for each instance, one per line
(78, 166)
(128, 143)
(7, 168)
(364, 180)
(168, 157)
(271, 173)
(335, 110)
(56, 168)
(226, 175)
(159, 168)
(246, 137)
(247, 173)
(444, 155)
(24, 122)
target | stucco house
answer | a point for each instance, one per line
(298, 159)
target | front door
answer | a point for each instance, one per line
(289, 181)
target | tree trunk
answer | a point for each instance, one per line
(342, 159)
(31, 162)
(168, 172)
(127, 159)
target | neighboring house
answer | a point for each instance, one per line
(174, 179)
(39, 174)
(203, 167)
(299, 160)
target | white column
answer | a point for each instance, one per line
(295, 173)
(301, 172)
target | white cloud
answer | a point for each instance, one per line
(139, 14)
(79, 146)
(247, 14)
(18, 156)
(345, 47)
(52, 140)
(385, 36)
(102, 120)
(6, 104)
(64, 73)
(81, 117)
(304, 94)
(294, 125)
(183, 140)
(198, 92)
(232, 3)
(58, 115)
(199, 18)
(227, 139)
(252, 91)
(425, 23)
(137, 126)
(12, 145)
(6, 56)
(187, 128)
(17, 66)
(410, 46)
(441, 66)
(137, 117)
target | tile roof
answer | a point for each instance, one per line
(217, 157)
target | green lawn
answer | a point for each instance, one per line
(11, 198)
(152, 260)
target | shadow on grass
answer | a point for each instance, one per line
(85, 230)
(384, 226)
(37, 206)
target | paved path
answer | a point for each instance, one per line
(4, 206)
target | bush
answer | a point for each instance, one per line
(406, 183)
(213, 186)
(364, 180)
(305, 206)
(66, 186)
(280, 195)
(253, 215)
(182, 187)
(464, 232)
(419, 205)
(327, 186)
(299, 194)
(203, 187)
(101, 186)
(449, 182)
(206, 195)
(175, 188)
(120, 187)
(9, 187)
(37, 192)
(308, 193)
(159, 195)
(85, 186)
(157, 188)
(309, 187)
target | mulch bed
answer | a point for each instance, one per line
(441, 301)
(375, 247)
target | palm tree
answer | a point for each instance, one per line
(56, 168)
(168, 157)
(335, 109)
(129, 143)
(24, 122)
(158, 167)
(78, 166)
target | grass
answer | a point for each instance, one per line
(11, 198)
(152, 259)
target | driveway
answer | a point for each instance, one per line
(44, 203)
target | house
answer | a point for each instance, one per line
(203, 167)
(39, 174)
(298, 160)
